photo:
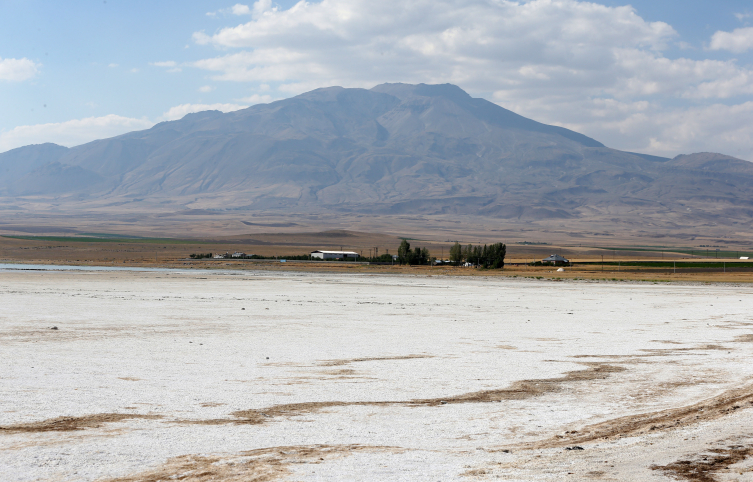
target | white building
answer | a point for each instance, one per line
(334, 255)
(238, 254)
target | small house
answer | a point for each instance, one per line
(343, 255)
(555, 260)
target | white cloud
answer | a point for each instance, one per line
(738, 41)
(206, 88)
(168, 63)
(716, 128)
(179, 111)
(18, 69)
(742, 16)
(259, 8)
(239, 9)
(256, 99)
(113, 65)
(476, 44)
(72, 132)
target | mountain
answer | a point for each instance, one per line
(396, 148)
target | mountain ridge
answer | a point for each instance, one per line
(392, 149)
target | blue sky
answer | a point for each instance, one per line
(657, 77)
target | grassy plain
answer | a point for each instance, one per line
(646, 263)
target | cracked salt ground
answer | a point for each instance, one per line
(396, 378)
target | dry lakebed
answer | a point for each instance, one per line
(262, 376)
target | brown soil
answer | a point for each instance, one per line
(519, 390)
(66, 424)
(632, 425)
(702, 467)
(261, 465)
(337, 363)
(525, 389)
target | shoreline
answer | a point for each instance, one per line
(534, 274)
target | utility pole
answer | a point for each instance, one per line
(602, 262)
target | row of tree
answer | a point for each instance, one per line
(486, 256)
(492, 256)
(406, 255)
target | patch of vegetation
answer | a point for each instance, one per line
(418, 256)
(492, 256)
(200, 255)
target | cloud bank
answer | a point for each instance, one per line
(738, 41)
(564, 62)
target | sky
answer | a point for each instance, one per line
(659, 77)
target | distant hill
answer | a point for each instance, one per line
(396, 148)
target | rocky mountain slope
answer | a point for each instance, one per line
(396, 148)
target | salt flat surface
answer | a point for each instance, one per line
(395, 377)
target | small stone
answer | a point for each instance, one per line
(443, 402)
(54, 328)
(267, 358)
(243, 308)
